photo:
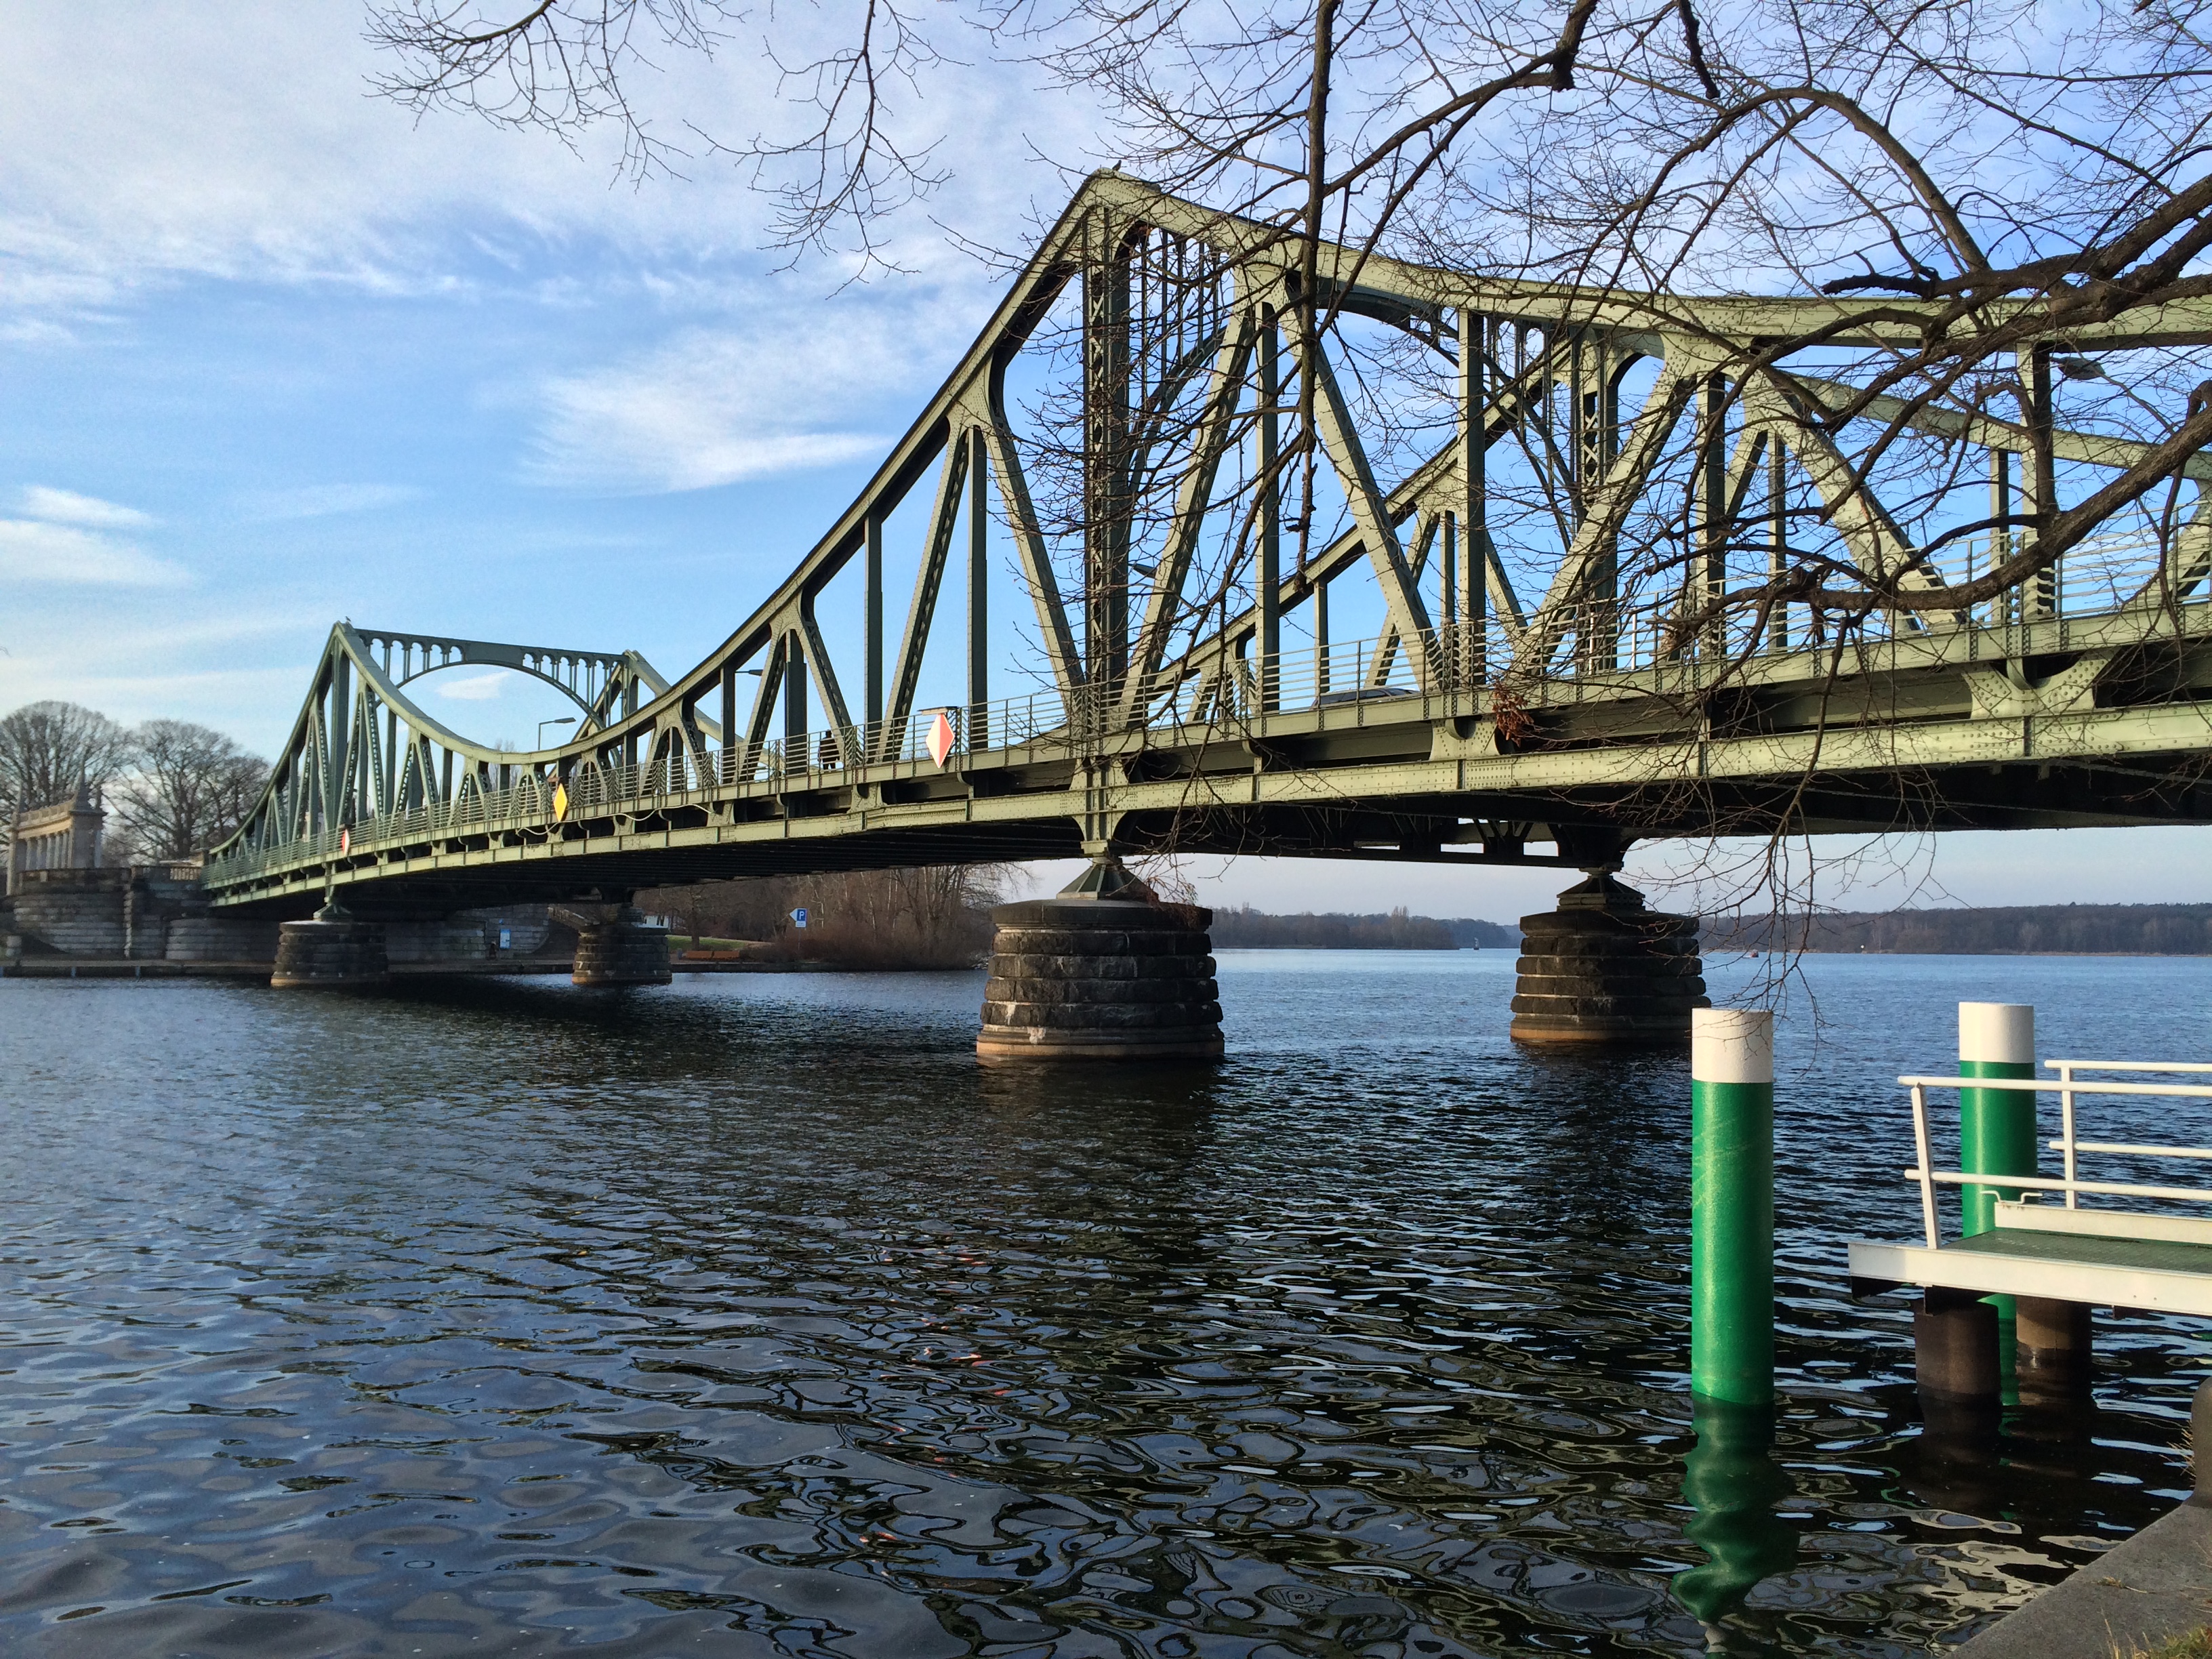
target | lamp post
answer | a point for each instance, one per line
(566, 720)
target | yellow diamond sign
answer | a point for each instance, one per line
(559, 800)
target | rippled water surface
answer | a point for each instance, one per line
(749, 1316)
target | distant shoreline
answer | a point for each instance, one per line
(2025, 930)
(1240, 928)
(2020, 930)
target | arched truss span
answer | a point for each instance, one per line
(362, 750)
(600, 684)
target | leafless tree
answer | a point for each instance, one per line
(47, 749)
(1998, 207)
(564, 66)
(2016, 178)
(1997, 220)
(929, 916)
(551, 66)
(184, 788)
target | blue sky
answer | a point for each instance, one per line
(272, 353)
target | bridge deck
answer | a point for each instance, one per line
(1407, 775)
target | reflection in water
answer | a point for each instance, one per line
(1733, 1482)
(751, 1316)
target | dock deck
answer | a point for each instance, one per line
(2102, 1258)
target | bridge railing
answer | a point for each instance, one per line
(2100, 576)
(1225, 692)
(2099, 573)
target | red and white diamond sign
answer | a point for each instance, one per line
(940, 737)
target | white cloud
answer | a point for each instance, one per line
(475, 688)
(145, 147)
(784, 394)
(54, 554)
(323, 500)
(67, 507)
(160, 177)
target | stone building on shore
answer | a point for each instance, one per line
(63, 900)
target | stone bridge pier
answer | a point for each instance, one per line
(614, 946)
(1102, 970)
(340, 948)
(335, 950)
(1604, 970)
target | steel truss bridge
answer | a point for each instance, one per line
(1484, 721)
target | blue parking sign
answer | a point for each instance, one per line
(799, 916)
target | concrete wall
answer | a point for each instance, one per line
(528, 925)
(221, 939)
(159, 913)
(449, 940)
(79, 912)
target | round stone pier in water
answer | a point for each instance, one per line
(1120, 978)
(1604, 970)
(623, 951)
(336, 951)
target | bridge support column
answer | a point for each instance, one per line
(1102, 971)
(335, 950)
(1604, 970)
(620, 950)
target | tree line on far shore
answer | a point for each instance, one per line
(1241, 927)
(171, 789)
(936, 916)
(2143, 930)
(940, 917)
(2147, 930)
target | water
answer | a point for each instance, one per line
(750, 1317)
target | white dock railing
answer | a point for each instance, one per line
(2068, 1086)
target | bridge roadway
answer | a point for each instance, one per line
(1167, 713)
(1933, 732)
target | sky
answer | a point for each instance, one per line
(273, 352)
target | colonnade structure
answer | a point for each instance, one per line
(64, 835)
(1537, 506)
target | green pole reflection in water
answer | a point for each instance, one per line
(1732, 1480)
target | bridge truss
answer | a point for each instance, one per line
(1545, 515)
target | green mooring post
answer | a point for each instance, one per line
(1732, 1205)
(1997, 1126)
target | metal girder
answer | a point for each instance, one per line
(1378, 533)
(1196, 495)
(1187, 728)
(943, 519)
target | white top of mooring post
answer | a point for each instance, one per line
(1997, 1031)
(1731, 1045)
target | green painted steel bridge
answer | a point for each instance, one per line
(1532, 501)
